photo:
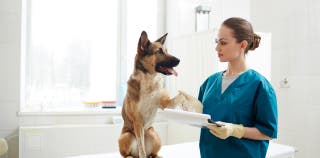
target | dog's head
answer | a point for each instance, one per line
(152, 57)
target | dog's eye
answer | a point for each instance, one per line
(159, 51)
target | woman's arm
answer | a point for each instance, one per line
(255, 134)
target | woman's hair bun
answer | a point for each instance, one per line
(255, 42)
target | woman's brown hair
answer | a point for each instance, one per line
(242, 30)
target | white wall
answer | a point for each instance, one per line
(9, 70)
(295, 29)
(181, 14)
(58, 141)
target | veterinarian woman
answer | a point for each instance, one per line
(241, 98)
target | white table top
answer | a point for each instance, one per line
(191, 150)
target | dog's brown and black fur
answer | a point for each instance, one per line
(145, 94)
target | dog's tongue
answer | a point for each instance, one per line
(174, 72)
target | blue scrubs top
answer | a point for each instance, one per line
(249, 100)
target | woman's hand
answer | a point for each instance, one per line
(226, 130)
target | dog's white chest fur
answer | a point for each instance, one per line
(151, 88)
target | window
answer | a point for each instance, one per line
(76, 49)
(139, 19)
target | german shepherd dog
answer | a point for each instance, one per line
(145, 94)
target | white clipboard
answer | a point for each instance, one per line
(186, 117)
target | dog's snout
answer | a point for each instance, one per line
(170, 62)
(176, 60)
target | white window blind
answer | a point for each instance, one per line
(71, 56)
(72, 50)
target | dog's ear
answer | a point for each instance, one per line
(143, 42)
(162, 39)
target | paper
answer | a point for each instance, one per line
(185, 117)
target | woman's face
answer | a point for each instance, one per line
(228, 48)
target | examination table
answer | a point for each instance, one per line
(191, 150)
